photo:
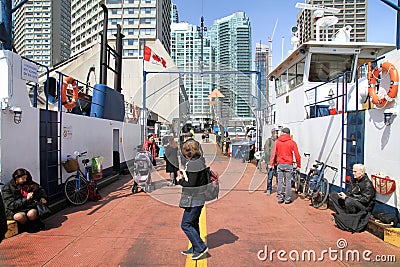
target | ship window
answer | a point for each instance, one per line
(281, 84)
(295, 74)
(326, 67)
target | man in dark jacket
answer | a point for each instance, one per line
(3, 219)
(359, 197)
(283, 151)
(269, 144)
(353, 208)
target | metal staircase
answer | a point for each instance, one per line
(353, 129)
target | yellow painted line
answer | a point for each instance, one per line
(203, 233)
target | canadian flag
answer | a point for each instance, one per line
(152, 57)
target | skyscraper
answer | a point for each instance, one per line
(42, 31)
(261, 63)
(174, 14)
(140, 20)
(231, 39)
(352, 13)
(192, 53)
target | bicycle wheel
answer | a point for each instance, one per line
(76, 190)
(306, 186)
(297, 181)
(322, 193)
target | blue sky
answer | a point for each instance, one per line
(264, 13)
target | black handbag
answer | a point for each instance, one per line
(43, 210)
(186, 200)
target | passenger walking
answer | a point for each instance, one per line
(151, 146)
(283, 150)
(269, 144)
(186, 137)
(171, 160)
(192, 181)
(20, 195)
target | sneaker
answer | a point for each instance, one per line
(288, 202)
(187, 252)
(280, 201)
(268, 192)
(197, 256)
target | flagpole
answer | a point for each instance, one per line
(144, 112)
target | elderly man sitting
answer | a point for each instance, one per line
(354, 207)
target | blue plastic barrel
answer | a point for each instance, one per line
(99, 94)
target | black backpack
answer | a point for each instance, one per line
(352, 222)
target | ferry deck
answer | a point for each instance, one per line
(245, 227)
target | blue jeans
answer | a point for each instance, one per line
(190, 226)
(285, 173)
(271, 173)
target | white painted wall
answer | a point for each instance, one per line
(19, 142)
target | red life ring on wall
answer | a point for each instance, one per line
(64, 100)
(394, 83)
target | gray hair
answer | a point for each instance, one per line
(359, 167)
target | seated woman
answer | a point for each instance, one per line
(19, 197)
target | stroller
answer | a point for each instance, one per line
(142, 171)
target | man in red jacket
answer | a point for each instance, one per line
(282, 153)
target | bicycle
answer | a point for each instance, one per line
(79, 186)
(300, 182)
(320, 193)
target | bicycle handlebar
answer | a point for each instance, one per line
(322, 163)
(306, 154)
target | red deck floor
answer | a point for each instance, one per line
(125, 229)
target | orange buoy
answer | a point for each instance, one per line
(372, 82)
(72, 103)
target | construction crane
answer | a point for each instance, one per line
(270, 40)
(319, 13)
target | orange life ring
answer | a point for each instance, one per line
(394, 83)
(64, 100)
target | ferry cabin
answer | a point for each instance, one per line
(321, 94)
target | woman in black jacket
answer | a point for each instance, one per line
(20, 195)
(171, 160)
(193, 179)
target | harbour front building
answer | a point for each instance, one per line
(231, 39)
(193, 55)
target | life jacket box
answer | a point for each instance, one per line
(391, 235)
(12, 228)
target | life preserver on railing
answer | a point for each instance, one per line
(372, 80)
(64, 100)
